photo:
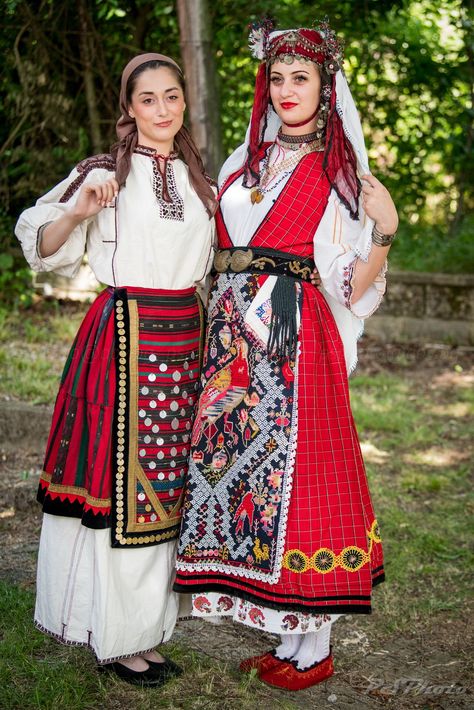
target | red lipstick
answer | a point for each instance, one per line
(287, 105)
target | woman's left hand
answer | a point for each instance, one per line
(378, 205)
(315, 278)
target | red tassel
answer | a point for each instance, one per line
(158, 159)
(257, 126)
(340, 162)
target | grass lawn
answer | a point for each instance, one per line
(36, 672)
(33, 349)
(414, 409)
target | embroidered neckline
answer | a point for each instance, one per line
(152, 152)
(170, 202)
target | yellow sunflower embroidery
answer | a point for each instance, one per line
(353, 558)
(295, 561)
(323, 560)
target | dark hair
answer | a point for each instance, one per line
(153, 64)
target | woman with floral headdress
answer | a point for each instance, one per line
(117, 453)
(278, 531)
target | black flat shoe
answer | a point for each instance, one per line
(146, 679)
(168, 668)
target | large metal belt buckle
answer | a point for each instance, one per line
(238, 261)
(241, 259)
(222, 260)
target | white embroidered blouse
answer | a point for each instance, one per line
(142, 241)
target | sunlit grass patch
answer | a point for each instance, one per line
(37, 672)
(50, 322)
(372, 454)
(380, 403)
(427, 543)
(417, 443)
(391, 410)
(33, 349)
(455, 409)
(428, 560)
(28, 376)
(437, 456)
(417, 482)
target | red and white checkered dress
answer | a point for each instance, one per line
(278, 514)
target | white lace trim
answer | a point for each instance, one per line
(290, 463)
(364, 251)
(353, 366)
(86, 644)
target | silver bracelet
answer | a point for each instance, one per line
(380, 239)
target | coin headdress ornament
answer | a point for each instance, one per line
(319, 44)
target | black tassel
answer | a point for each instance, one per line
(283, 336)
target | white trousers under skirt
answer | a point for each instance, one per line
(214, 606)
(117, 602)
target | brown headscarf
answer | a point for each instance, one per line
(127, 134)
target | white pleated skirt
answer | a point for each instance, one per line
(117, 602)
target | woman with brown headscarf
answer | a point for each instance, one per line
(118, 447)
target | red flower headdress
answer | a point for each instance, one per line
(321, 46)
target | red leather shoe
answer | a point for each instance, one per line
(262, 663)
(288, 677)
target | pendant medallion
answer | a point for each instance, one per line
(256, 195)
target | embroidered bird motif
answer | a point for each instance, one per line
(224, 604)
(290, 621)
(224, 391)
(261, 552)
(244, 511)
(202, 604)
(257, 616)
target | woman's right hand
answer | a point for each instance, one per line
(93, 197)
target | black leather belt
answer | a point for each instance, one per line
(258, 259)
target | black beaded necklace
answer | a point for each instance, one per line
(295, 142)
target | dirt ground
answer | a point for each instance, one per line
(427, 668)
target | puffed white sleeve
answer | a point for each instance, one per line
(67, 259)
(339, 241)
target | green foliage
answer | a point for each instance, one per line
(427, 247)
(411, 69)
(33, 349)
(410, 65)
(15, 277)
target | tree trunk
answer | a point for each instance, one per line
(201, 84)
(465, 175)
(88, 76)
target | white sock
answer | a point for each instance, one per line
(313, 648)
(290, 644)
